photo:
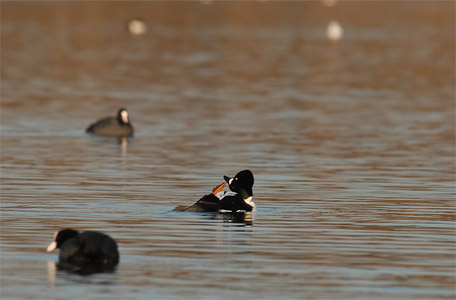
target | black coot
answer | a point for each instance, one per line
(118, 126)
(85, 248)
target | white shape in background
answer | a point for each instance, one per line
(334, 31)
(329, 3)
(137, 27)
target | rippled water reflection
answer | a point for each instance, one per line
(351, 143)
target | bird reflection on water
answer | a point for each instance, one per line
(123, 142)
(245, 218)
(86, 269)
(56, 268)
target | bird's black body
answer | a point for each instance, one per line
(239, 200)
(209, 203)
(85, 248)
(233, 203)
(118, 126)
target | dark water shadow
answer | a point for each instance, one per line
(59, 273)
(110, 139)
(122, 142)
(86, 269)
(239, 218)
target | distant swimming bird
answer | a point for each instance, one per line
(85, 248)
(137, 27)
(334, 31)
(118, 126)
(240, 199)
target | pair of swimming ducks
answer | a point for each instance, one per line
(96, 248)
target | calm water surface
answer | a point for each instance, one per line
(351, 143)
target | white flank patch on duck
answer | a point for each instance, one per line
(250, 202)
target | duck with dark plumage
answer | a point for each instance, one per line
(240, 199)
(118, 126)
(85, 248)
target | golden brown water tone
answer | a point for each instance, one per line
(351, 141)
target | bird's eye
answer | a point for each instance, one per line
(235, 178)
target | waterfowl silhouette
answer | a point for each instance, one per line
(240, 199)
(85, 248)
(119, 126)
